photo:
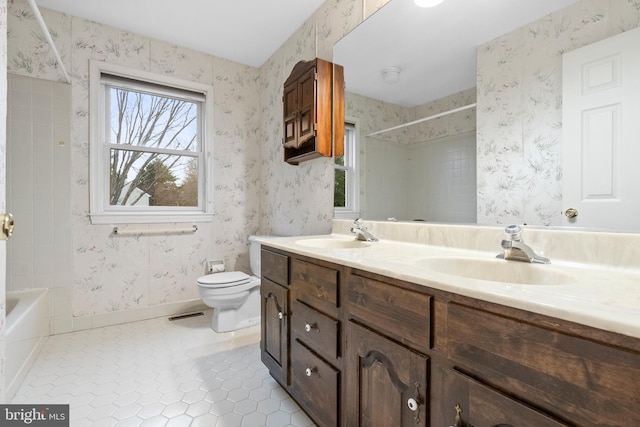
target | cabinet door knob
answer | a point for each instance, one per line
(309, 327)
(309, 371)
(280, 315)
(413, 404)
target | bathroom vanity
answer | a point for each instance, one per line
(357, 344)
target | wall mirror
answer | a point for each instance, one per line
(410, 81)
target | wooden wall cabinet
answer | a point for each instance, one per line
(312, 110)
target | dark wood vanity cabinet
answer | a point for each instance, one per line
(386, 367)
(316, 336)
(519, 366)
(312, 110)
(274, 310)
(360, 349)
(474, 404)
(386, 382)
(303, 348)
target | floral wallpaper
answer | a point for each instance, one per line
(112, 274)
(254, 189)
(518, 125)
(298, 199)
(519, 117)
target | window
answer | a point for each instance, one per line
(148, 147)
(345, 193)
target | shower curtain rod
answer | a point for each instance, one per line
(424, 119)
(47, 35)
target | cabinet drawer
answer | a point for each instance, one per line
(315, 285)
(483, 406)
(317, 331)
(315, 384)
(275, 267)
(397, 312)
(586, 381)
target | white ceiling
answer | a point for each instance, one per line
(245, 31)
(435, 48)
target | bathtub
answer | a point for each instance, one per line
(26, 331)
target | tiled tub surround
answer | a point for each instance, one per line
(605, 292)
(425, 163)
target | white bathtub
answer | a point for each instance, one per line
(27, 329)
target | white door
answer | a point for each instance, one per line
(601, 133)
(3, 205)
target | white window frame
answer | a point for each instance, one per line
(352, 169)
(100, 210)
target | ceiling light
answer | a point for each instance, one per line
(391, 75)
(428, 3)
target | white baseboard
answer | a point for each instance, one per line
(61, 325)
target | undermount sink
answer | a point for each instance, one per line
(496, 270)
(332, 243)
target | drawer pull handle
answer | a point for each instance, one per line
(413, 404)
(309, 371)
(309, 327)
(280, 315)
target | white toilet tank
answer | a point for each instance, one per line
(254, 255)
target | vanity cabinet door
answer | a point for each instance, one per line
(386, 382)
(470, 403)
(274, 343)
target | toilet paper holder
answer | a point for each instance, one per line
(214, 266)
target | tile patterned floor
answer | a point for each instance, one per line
(160, 373)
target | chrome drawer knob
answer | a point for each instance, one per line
(413, 404)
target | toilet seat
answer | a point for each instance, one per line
(224, 280)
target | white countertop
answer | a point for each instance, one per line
(607, 298)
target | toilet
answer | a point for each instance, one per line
(234, 295)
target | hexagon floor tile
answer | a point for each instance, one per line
(160, 373)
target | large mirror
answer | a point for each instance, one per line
(411, 79)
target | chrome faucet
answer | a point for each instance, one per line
(361, 231)
(515, 249)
